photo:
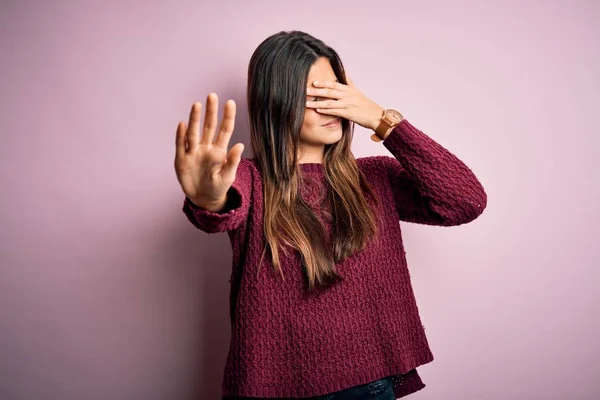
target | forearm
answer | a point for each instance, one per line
(445, 185)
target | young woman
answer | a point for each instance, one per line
(321, 299)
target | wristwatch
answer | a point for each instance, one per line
(389, 119)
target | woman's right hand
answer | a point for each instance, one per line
(204, 168)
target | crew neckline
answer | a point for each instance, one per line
(311, 167)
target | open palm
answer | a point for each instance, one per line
(205, 169)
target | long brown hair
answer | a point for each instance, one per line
(277, 80)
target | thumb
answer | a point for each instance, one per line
(233, 159)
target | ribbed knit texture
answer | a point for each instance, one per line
(286, 343)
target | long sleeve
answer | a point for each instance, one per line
(239, 199)
(430, 184)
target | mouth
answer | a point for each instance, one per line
(333, 122)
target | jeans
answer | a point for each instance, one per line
(382, 389)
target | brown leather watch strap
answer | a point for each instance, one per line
(383, 127)
(376, 138)
(388, 122)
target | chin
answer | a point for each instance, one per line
(337, 139)
(325, 137)
(332, 137)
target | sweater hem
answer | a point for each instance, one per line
(405, 382)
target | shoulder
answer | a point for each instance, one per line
(248, 170)
(380, 168)
(374, 168)
(376, 164)
(249, 165)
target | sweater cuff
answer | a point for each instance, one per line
(395, 138)
(234, 200)
(212, 222)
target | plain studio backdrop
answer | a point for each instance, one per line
(108, 292)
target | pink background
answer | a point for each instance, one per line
(107, 292)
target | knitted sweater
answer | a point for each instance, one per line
(288, 343)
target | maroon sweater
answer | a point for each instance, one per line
(287, 343)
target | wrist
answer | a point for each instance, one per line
(387, 133)
(211, 206)
(376, 118)
(388, 120)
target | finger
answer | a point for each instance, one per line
(193, 128)
(338, 112)
(330, 85)
(180, 140)
(329, 93)
(326, 104)
(227, 125)
(233, 159)
(210, 119)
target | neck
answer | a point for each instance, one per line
(311, 153)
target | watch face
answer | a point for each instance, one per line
(393, 115)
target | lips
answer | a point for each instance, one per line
(332, 122)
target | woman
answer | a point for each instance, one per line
(321, 300)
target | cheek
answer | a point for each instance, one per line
(312, 120)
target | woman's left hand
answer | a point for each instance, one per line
(344, 101)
